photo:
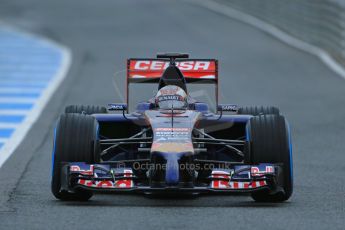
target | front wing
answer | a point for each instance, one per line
(106, 177)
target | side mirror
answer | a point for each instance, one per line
(227, 108)
(117, 107)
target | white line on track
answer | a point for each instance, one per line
(19, 90)
(8, 125)
(13, 112)
(274, 31)
(16, 79)
(2, 140)
(23, 80)
(33, 115)
(17, 100)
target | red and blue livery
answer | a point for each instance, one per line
(172, 143)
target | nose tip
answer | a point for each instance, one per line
(172, 176)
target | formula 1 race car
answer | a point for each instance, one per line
(172, 143)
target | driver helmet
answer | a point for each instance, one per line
(171, 97)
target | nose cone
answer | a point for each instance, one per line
(172, 172)
(172, 169)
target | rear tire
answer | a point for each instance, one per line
(85, 109)
(269, 139)
(75, 141)
(258, 110)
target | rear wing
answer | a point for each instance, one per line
(194, 70)
(150, 70)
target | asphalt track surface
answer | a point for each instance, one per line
(254, 68)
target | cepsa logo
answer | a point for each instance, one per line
(161, 65)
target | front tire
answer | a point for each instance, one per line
(75, 140)
(258, 110)
(85, 109)
(269, 139)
